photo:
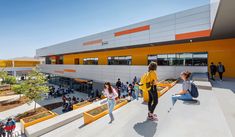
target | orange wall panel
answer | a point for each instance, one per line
(190, 35)
(218, 50)
(134, 30)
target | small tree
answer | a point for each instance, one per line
(3, 75)
(18, 89)
(35, 86)
(9, 80)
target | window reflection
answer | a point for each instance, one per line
(180, 59)
(90, 61)
(122, 60)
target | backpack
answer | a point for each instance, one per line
(194, 91)
(145, 82)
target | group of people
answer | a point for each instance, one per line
(128, 89)
(150, 81)
(6, 129)
(59, 92)
(217, 68)
(68, 102)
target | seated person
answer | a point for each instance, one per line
(186, 87)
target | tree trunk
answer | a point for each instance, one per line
(35, 106)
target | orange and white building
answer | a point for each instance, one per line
(19, 66)
(186, 40)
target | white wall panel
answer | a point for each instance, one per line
(111, 73)
(193, 28)
(161, 29)
(192, 11)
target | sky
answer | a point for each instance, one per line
(26, 25)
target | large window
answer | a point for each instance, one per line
(55, 60)
(180, 59)
(122, 60)
(90, 61)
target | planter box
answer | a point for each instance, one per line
(161, 90)
(168, 83)
(5, 87)
(81, 104)
(41, 117)
(98, 112)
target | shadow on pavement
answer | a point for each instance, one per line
(192, 102)
(146, 128)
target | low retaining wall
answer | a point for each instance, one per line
(58, 121)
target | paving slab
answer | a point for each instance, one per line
(203, 85)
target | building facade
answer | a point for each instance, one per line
(18, 67)
(177, 42)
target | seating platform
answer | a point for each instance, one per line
(206, 85)
(200, 77)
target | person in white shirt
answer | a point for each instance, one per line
(111, 95)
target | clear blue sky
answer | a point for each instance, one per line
(26, 25)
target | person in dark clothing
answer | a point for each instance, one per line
(118, 86)
(118, 83)
(2, 129)
(221, 70)
(213, 70)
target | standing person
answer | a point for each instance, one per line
(131, 91)
(137, 91)
(10, 127)
(111, 94)
(118, 86)
(221, 70)
(134, 80)
(186, 87)
(213, 70)
(152, 80)
(126, 89)
(2, 129)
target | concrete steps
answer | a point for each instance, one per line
(204, 119)
(130, 120)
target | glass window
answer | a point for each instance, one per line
(152, 58)
(162, 60)
(122, 60)
(172, 59)
(200, 59)
(180, 59)
(90, 61)
(185, 59)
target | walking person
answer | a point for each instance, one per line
(137, 90)
(221, 70)
(183, 94)
(111, 95)
(2, 129)
(10, 127)
(213, 70)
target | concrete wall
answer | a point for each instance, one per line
(158, 30)
(111, 73)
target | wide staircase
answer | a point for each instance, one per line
(202, 118)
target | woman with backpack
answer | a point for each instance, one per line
(184, 94)
(111, 95)
(150, 80)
